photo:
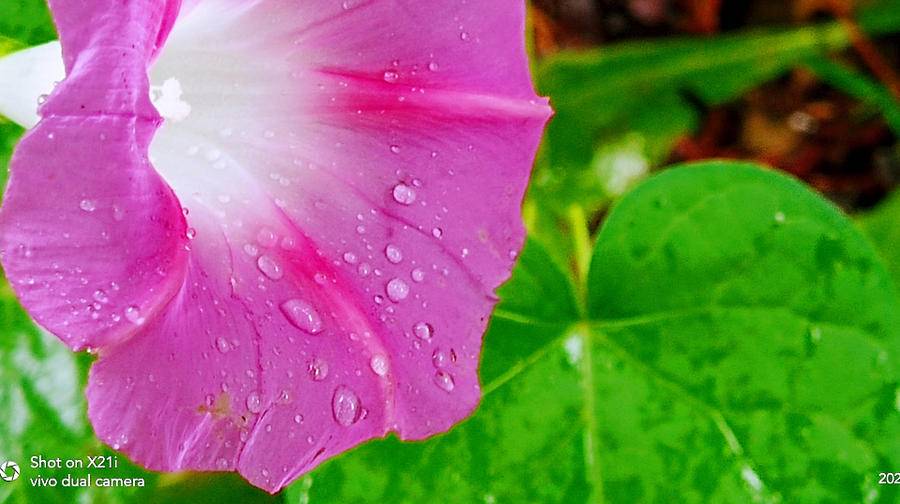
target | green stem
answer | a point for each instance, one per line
(581, 238)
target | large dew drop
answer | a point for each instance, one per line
(393, 254)
(397, 290)
(404, 194)
(345, 406)
(302, 315)
(270, 267)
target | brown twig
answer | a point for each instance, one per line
(544, 33)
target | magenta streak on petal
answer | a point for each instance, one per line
(300, 307)
(378, 95)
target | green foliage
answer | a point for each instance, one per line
(25, 23)
(653, 90)
(9, 135)
(882, 225)
(739, 343)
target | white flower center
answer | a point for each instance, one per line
(167, 100)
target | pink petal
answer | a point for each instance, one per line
(353, 174)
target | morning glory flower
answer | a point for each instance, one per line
(278, 224)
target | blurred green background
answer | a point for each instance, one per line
(717, 333)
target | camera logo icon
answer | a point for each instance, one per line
(9, 471)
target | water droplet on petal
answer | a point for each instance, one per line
(379, 364)
(345, 406)
(87, 205)
(100, 296)
(395, 149)
(253, 403)
(437, 232)
(302, 315)
(397, 290)
(417, 275)
(288, 243)
(133, 314)
(404, 194)
(266, 237)
(423, 330)
(270, 267)
(318, 369)
(393, 254)
(391, 76)
(433, 66)
(222, 345)
(444, 381)
(439, 358)
(350, 258)
(298, 419)
(251, 250)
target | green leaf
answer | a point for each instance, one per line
(26, 23)
(752, 341)
(9, 135)
(882, 225)
(740, 344)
